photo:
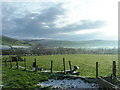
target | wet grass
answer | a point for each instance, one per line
(16, 78)
(86, 63)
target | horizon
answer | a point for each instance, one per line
(57, 39)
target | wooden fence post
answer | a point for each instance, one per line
(70, 65)
(5, 63)
(119, 64)
(114, 69)
(17, 65)
(11, 63)
(51, 66)
(35, 59)
(36, 67)
(64, 64)
(25, 63)
(96, 69)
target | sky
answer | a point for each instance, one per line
(73, 20)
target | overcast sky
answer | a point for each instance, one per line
(64, 20)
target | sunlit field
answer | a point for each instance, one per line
(85, 62)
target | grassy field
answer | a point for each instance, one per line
(13, 78)
(85, 62)
(17, 78)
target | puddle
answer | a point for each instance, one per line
(68, 83)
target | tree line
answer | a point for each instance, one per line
(41, 50)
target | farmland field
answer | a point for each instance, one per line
(86, 63)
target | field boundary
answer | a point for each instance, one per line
(105, 84)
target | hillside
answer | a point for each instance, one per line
(11, 41)
(76, 44)
(7, 41)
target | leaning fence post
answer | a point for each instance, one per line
(96, 69)
(114, 69)
(64, 64)
(25, 63)
(17, 63)
(70, 66)
(51, 66)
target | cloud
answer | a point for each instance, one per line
(41, 24)
(77, 37)
(84, 24)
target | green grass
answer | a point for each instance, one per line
(85, 62)
(16, 78)
(13, 78)
(4, 40)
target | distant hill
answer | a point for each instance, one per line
(76, 44)
(7, 41)
(11, 41)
